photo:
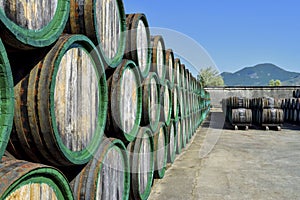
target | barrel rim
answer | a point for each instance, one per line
(169, 52)
(171, 157)
(42, 37)
(159, 173)
(167, 86)
(117, 59)
(117, 78)
(177, 82)
(147, 87)
(7, 99)
(52, 177)
(155, 39)
(83, 156)
(118, 145)
(175, 116)
(131, 36)
(136, 176)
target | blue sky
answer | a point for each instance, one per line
(235, 33)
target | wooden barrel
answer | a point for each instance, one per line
(172, 144)
(138, 45)
(166, 103)
(170, 65)
(183, 132)
(160, 151)
(241, 115)
(158, 57)
(151, 101)
(177, 77)
(175, 103)
(181, 102)
(182, 74)
(25, 180)
(106, 176)
(32, 24)
(60, 107)
(104, 22)
(238, 102)
(178, 131)
(142, 164)
(272, 116)
(7, 99)
(125, 102)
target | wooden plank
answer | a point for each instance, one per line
(32, 15)
(154, 102)
(109, 26)
(76, 99)
(142, 46)
(128, 100)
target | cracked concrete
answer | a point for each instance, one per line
(252, 164)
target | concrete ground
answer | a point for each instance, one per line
(225, 164)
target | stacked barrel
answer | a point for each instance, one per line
(238, 112)
(267, 112)
(291, 108)
(92, 105)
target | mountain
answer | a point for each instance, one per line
(260, 75)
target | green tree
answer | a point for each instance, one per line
(210, 77)
(277, 83)
(274, 82)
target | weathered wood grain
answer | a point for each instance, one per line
(178, 136)
(34, 191)
(111, 177)
(106, 176)
(32, 15)
(177, 65)
(158, 57)
(171, 147)
(142, 46)
(128, 100)
(141, 154)
(138, 42)
(160, 151)
(76, 99)
(103, 21)
(170, 72)
(144, 164)
(154, 101)
(61, 109)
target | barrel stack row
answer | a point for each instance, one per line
(267, 112)
(291, 108)
(91, 96)
(264, 112)
(238, 112)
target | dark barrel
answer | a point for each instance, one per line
(141, 164)
(125, 102)
(60, 107)
(104, 22)
(166, 103)
(241, 115)
(158, 57)
(160, 150)
(106, 176)
(7, 99)
(151, 101)
(170, 65)
(25, 180)
(138, 45)
(32, 24)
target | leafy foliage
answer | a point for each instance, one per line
(210, 77)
